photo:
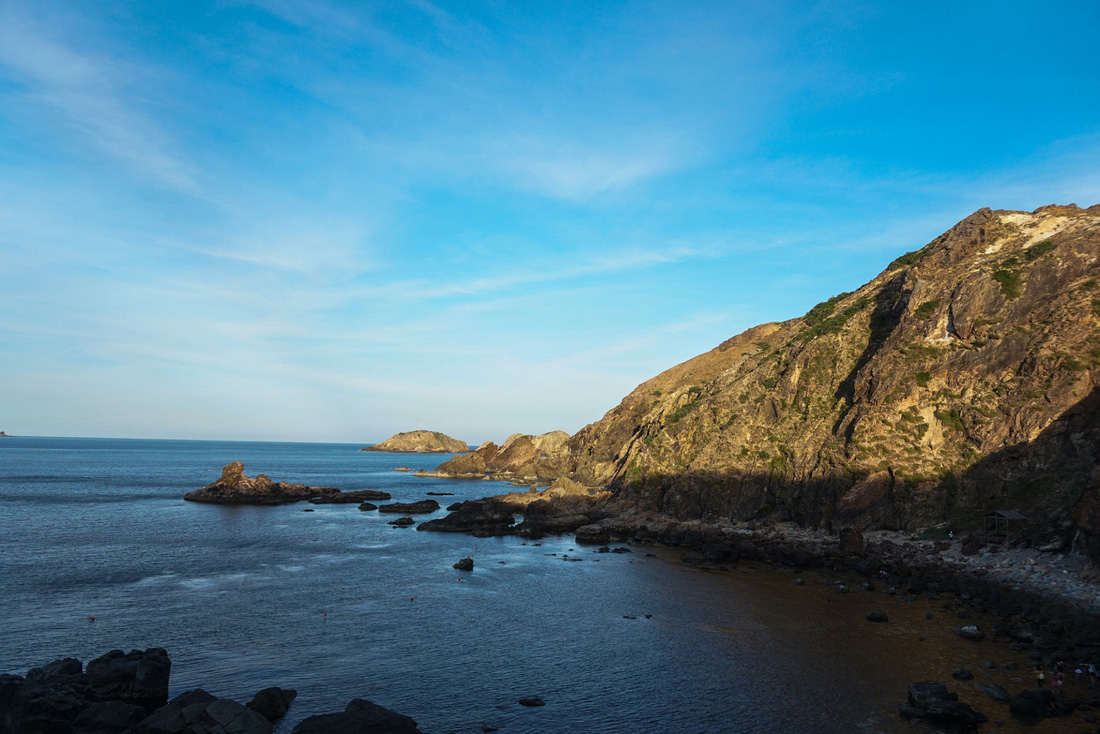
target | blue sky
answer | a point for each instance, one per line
(310, 220)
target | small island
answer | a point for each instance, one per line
(234, 488)
(5, 435)
(420, 442)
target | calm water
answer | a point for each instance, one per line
(337, 604)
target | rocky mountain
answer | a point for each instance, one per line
(420, 442)
(962, 379)
(522, 458)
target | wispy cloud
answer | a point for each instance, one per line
(90, 95)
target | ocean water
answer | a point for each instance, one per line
(337, 604)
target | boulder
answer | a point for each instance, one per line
(593, 534)
(272, 703)
(402, 522)
(108, 717)
(851, 542)
(532, 701)
(139, 676)
(877, 617)
(360, 717)
(994, 691)
(466, 564)
(198, 712)
(971, 632)
(932, 702)
(367, 507)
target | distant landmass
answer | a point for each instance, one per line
(5, 435)
(420, 442)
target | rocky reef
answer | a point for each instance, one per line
(234, 488)
(420, 442)
(522, 458)
(127, 693)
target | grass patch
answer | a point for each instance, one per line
(1037, 251)
(907, 259)
(922, 378)
(926, 309)
(1010, 282)
(951, 419)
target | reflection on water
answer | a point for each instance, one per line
(337, 604)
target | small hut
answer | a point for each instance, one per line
(1004, 523)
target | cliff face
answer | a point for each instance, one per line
(420, 442)
(960, 380)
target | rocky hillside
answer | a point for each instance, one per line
(960, 380)
(521, 458)
(420, 442)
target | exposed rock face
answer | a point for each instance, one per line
(234, 488)
(521, 458)
(960, 380)
(420, 442)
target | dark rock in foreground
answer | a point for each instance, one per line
(360, 717)
(234, 488)
(877, 617)
(117, 691)
(932, 702)
(272, 703)
(127, 693)
(348, 498)
(466, 564)
(410, 508)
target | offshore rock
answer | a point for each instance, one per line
(410, 508)
(234, 488)
(198, 712)
(420, 442)
(348, 498)
(360, 717)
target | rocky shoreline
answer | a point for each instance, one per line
(127, 693)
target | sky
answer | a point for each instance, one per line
(325, 221)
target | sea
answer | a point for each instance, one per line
(99, 551)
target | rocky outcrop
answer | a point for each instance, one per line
(234, 488)
(127, 693)
(116, 691)
(962, 379)
(420, 442)
(521, 458)
(4, 435)
(410, 508)
(562, 507)
(349, 498)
